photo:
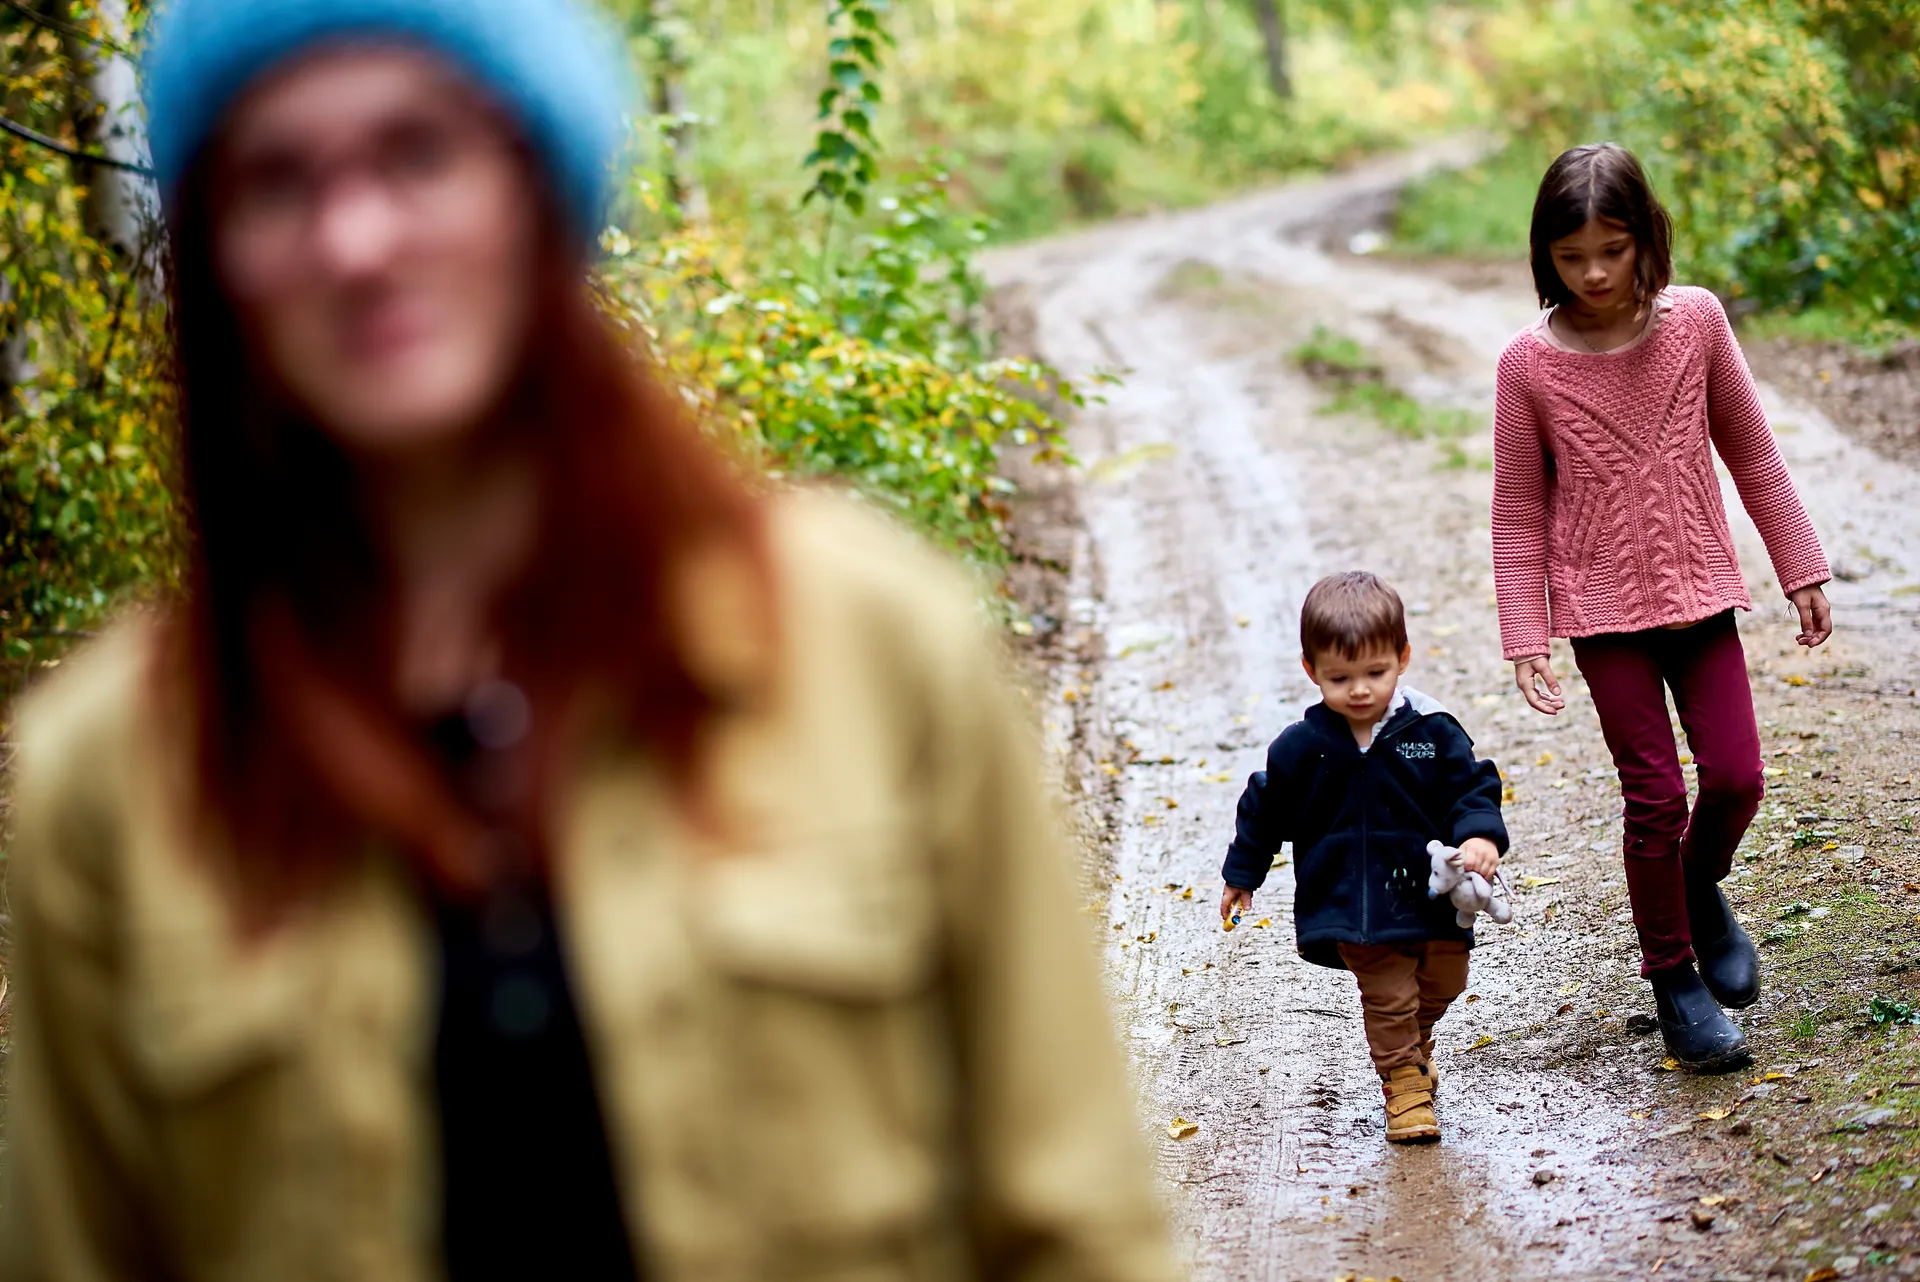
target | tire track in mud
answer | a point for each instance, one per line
(1214, 496)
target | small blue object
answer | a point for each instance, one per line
(555, 66)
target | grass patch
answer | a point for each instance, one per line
(1192, 280)
(1482, 211)
(1359, 382)
(1804, 1029)
(1869, 334)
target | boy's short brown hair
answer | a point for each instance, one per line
(1351, 614)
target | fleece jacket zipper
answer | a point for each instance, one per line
(1380, 737)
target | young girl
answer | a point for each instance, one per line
(1608, 529)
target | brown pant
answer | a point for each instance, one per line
(1404, 990)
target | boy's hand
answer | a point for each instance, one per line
(1479, 855)
(1234, 900)
(1530, 675)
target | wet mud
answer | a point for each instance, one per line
(1214, 493)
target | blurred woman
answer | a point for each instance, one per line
(522, 850)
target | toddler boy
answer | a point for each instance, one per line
(1359, 786)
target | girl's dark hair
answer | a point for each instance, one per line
(1600, 180)
(286, 633)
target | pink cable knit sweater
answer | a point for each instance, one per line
(1606, 509)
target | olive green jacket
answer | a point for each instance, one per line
(861, 1038)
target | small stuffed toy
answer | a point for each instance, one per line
(1469, 891)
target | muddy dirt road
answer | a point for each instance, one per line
(1214, 495)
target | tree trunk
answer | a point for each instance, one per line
(122, 209)
(1273, 30)
(665, 29)
(13, 353)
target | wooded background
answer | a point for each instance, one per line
(811, 180)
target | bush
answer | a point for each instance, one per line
(1783, 134)
(882, 377)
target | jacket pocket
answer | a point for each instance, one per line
(839, 1059)
(839, 918)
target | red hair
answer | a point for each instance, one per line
(285, 637)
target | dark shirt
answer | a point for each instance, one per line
(1360, 822)
(527, 1172)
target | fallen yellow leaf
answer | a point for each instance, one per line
(1070, 696)
(1482, 1044)
(1715, 1199)
(1770, 1077)
(1222, 777)
(1715, 1115)
(1108, 768)
(1825, 1273)
(1670, 1064)
(1534, 883)
(1180, 1128)
(1187, 893)
(1546, 759)
(1795, 679)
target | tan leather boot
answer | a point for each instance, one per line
(1409, 1094)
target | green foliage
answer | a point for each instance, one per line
(845, 153)
(1783, 134)
(1805, 1028)
(1789, 133)
(1058, 111)
(1885, 1012)
(84, 516)
(1482, 211)
(883, 380)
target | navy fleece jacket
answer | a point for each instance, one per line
(1360, 822)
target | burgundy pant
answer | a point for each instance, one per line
(1629, 674)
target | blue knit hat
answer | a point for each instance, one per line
(553, 65)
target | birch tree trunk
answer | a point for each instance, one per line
(665, 27)
(1273, 30)
(122, 209)
(14, 370)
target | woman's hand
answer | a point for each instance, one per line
(1477, 854)
(1816, 617)
(1531, 674)
(1234, 900)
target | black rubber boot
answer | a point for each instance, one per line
(1697, 1032)
(1729, 963)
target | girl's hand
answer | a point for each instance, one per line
(1816, 617)
(1234, 900)
(1477, 854)
(1531, 674)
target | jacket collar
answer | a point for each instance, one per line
(1408, 706)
